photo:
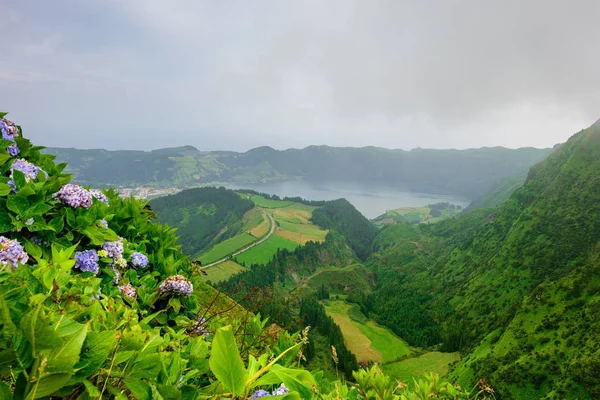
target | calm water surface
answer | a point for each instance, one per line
(370, 200)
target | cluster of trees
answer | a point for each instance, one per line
(203, 216)
(343, 217)
(295, 199)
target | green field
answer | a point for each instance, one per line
(294, 224)
(264, 252)
(266, 203)
(226, 247)
(415, 367)
(223, 271)
(367, 340)
(417, 215)
(341, 280)
(256, 223)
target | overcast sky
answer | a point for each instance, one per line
(232, 75)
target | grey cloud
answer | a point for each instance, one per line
(233, 75)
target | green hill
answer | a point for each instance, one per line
(461, 172)
(515, 289)
(498, 193)
(203, 216)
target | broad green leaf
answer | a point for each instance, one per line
(47, 385)
(140, 389)
(9, 327)
(38, 331)
(225, 361)
(18, 205)
(5, 222)
(91, 389)
(4, 188)
(96, 351)
(295, 380)
(99, 236)
(5, 393)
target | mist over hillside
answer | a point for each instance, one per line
(466, 173)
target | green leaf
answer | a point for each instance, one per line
(140, 389)
(38, 331)
(18, 205)
(5, 393)
(5, 222)
(9, 327)
(48, 385)
(57, 224)
(4, 188)
(295, 380)
(19, 179)
(225, 361)
(99, 236)
(96, 351)
(91, 389)
(32, 249)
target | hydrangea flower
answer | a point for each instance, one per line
(10, 132)
(104, 223)
(97, 295)
(102, 253)
(74, 196)
(198, 327)
(260, 393)
(40, 241)
(30, 171)
(87, 261)
(281, 390)
(114, 249)
(121, 262)
(139, 260)
(117, 275)
(177, 284)
(128, 291)
(99, 195)
(11, 252)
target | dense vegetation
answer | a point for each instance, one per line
(513, 288)
(498, 192)
(99, 302)
(203, 216)
(341, 216)
(461, 172)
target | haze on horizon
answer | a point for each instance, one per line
(225, 75)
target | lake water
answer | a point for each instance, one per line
(371, 200)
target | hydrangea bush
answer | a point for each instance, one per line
(79, 321)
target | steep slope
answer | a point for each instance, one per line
(497, 193)
(203, 216)
(347, 220)
(514, 289)
(461, 172)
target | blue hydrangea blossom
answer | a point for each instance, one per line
(177, 284)
(99, 195)
(198, 328)
(104, 223)
(139, 260)
(87, 261)
(30, 171)
(128, 291)
(260, 393)
(74, 196)
(10, 132)
(281, 390)
(114, 249)
(12, 253)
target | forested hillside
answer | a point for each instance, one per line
(460, 172)
(347, 220)
(202, 216)
(498, 192)
(514, 288)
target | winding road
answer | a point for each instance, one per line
(238, 252)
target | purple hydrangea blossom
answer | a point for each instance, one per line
(104, 223)
(114, 249)
(97, 295)
(260, 393)
(11, 252)
(99, 195)
(13, 149)
(198, 327)
(117, 275)
(281, 390)
(128, 291)
(176, 284)
(10, 132)
(87, 261)
(139, 260)
(28, 169)
(74, 196)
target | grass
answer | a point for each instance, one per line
(340, 280)
(415, 367)
(264, 252)
(256, 223)
(266, 203)
(367, 340)
(223, 271)
(226, 247)
(295, 224)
